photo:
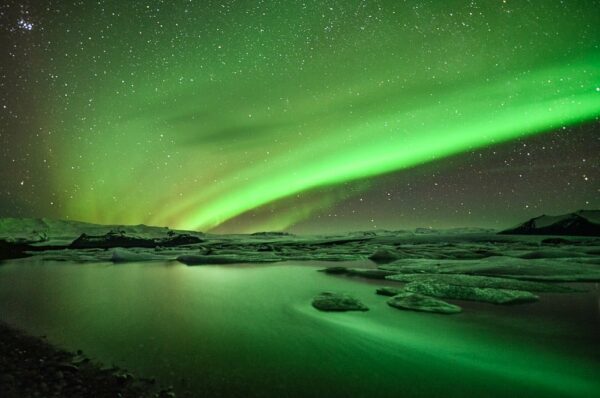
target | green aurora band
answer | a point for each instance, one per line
(255, 108)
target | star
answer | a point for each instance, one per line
(24, 24)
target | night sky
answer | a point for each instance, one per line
(308, 116)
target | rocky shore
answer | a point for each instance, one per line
(31, 367)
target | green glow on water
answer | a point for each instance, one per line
(253, 330)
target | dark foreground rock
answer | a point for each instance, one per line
(368, 273)
(10, 250)
(335, 270)
(418, 302)
(383, 256)
(201, 259)
(328, 301)
(487, 295)
(30, 367)
(388, 291)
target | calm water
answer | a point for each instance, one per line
(250, 331)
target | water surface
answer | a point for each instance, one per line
(251, 331)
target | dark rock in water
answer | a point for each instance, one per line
(488, 295)
(388, 291)
(122, 239)
(193, 259)
(12, 250)
(482, 282)
(370, 273)
(418, 302)
(384, 256)
(582, 223)
(328, 301)
(335, 270)
(362, 272)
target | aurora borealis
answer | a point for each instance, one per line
(245, 116)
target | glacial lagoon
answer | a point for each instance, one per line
(250, 330)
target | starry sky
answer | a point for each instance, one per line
(306, 116)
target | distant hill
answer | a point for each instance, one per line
(580, 223)
(49, 230)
